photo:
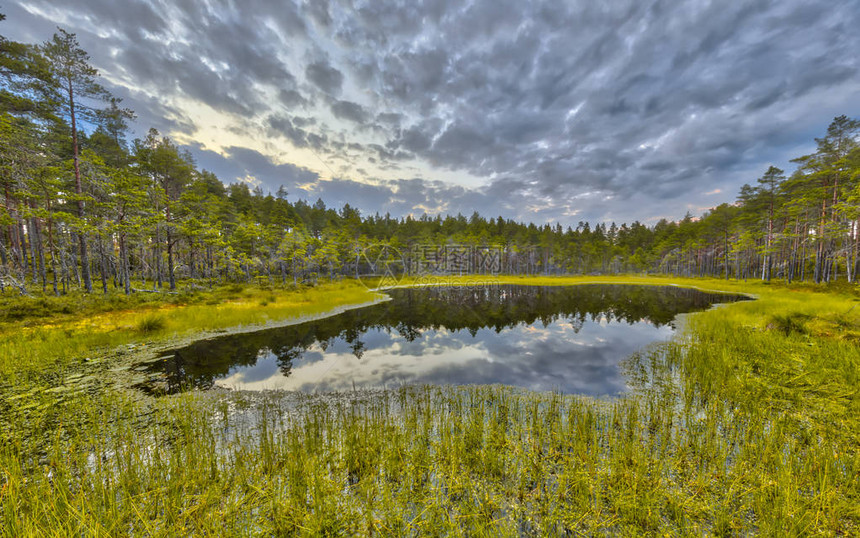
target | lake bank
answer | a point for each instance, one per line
(748, 424)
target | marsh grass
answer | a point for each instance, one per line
(151, 323)
(737, 426)
(60, 340)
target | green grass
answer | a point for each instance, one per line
(65, 334)
(746, 423)
(151, 323)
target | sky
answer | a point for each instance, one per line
(542, 111)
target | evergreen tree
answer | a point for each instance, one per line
(76, 81)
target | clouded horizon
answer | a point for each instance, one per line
(535, 110)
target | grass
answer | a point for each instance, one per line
(151, 323)
(746, 423)
(62, 333)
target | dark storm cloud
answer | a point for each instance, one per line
(347, 110)
(284, 126)
(291, 98)
(399, 197)
(325, 77)
(318, 12)
(240, 163)
(633, 109)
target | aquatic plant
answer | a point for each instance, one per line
(733, 428)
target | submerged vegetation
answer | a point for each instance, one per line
(745, 422)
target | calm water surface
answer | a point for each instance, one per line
(570, 339)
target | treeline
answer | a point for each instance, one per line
(83, 206)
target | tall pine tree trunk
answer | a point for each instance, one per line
(82, 240)
(103, 265)
(22, 243)
(3, 243)
(38, 249)
(156, 256)
(124, 270)
(53, 253)
(170, 276)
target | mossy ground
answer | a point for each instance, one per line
(747, 422)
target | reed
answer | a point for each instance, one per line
(743, 424)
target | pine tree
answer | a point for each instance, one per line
(76, 82)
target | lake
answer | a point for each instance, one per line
(570, 339)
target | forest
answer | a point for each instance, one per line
(84, 207)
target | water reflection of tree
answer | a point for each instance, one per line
(414, 311)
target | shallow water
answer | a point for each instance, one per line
(569, 339)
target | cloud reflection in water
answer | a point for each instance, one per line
(570, 339)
